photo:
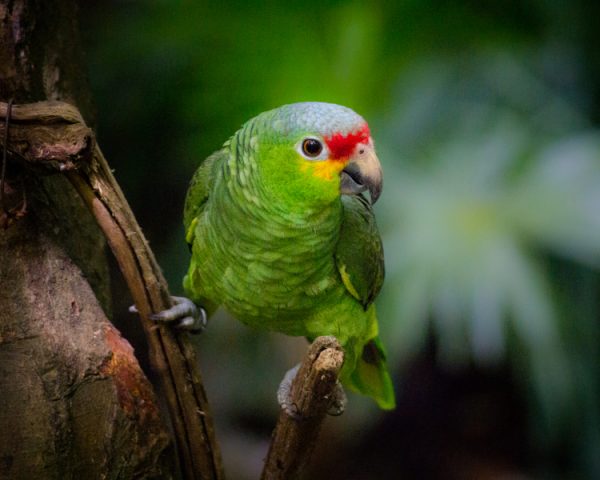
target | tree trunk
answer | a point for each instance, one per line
(73, 399)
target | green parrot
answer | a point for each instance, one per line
(283, 238)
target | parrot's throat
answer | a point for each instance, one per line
(291, 229)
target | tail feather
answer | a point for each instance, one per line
(371, 377)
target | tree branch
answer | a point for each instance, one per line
(53, 136)
(294, 438)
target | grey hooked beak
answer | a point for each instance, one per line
(363, 172)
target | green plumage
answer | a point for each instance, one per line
(277, 246)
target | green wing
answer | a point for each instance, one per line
(195, 203)
(359, 259)
(359, 253)
(197, 194)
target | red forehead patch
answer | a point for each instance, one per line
(342, 146)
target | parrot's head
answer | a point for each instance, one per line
(311, 153)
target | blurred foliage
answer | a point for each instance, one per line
(485, 116)
(478, 209)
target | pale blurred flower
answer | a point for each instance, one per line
(481, 190)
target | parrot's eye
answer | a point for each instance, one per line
(311, 147)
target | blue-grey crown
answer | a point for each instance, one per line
(319, 117)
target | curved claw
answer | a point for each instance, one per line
(184, 315)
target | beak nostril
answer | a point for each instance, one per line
(361, 151)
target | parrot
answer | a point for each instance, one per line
(283, 236)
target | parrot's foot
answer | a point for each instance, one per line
(337, 403)
(284, 393)
(338, 400)
(184, 315)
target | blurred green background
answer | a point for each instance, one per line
(486, 119)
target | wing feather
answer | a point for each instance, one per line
(198, 192)
(359, 253)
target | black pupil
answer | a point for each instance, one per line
(312, 147)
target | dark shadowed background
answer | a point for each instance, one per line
(486, 119)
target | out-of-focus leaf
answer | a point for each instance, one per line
(487, 181)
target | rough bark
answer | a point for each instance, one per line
(52, 137)
(295, 437)
(73, 399)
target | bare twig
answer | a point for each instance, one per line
(294, 438)
(52, 135)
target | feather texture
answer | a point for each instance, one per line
(278, 247)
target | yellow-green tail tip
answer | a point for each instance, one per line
(371, 376)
